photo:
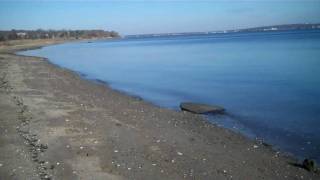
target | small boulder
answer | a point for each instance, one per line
(309, 165)
(201, 108)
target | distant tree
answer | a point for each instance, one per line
(44, 34)
(2, 38)
(114, 34)
(13, 35)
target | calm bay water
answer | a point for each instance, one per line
(268, 82)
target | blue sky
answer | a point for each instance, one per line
(155, 16)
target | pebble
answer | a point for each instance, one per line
(224, 171)
(58, 163)
(1, 165)
(180, 153)
(255, 146)
(81, 147)
(115, 151)
(154, 164)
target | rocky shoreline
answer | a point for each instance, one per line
(56, 125)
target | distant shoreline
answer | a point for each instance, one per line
(275, 28)
(13, 46)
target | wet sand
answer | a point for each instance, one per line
(56, 125)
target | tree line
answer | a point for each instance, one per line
(52, 34)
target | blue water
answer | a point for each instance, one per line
(268, 82)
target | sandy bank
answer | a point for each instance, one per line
(54, 124)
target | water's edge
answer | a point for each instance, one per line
(224, 121)
(206, 117)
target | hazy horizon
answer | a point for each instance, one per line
(146, 17)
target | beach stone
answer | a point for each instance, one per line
(198, 108)
(309, 165)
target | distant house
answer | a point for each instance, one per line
(21, 35)
(271, 29)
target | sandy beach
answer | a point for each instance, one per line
(55, 124)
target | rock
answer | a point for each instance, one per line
(43, 146)
(309, 165)
(201, 108)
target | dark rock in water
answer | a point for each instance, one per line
(309, 165)
(201, 108)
